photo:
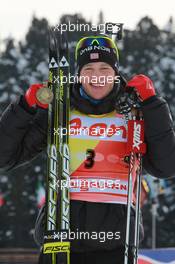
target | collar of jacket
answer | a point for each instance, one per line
(85, 106)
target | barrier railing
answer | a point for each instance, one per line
(18, 255)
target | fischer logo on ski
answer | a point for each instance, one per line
(52, 188)
(63, 62)
(53, 64)
(56, 247)
(65, 207)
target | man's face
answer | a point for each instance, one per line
(97, 79)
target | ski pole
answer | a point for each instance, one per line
(137, 206)
(128, 104)
(129, 198)
(136, 148)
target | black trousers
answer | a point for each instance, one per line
(100, 257)
(94, 257)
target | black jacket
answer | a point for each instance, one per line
(23, 135)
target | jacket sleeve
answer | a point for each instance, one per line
(160, 138)
(23, 135)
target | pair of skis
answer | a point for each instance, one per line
(56, 248)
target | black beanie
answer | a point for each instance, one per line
(97, 53)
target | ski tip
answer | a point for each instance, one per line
(52, 41)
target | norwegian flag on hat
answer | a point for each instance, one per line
(94, 56)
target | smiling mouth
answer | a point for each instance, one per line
(97, 85)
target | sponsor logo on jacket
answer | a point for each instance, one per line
(105, 128)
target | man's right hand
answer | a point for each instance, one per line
(31, 96)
